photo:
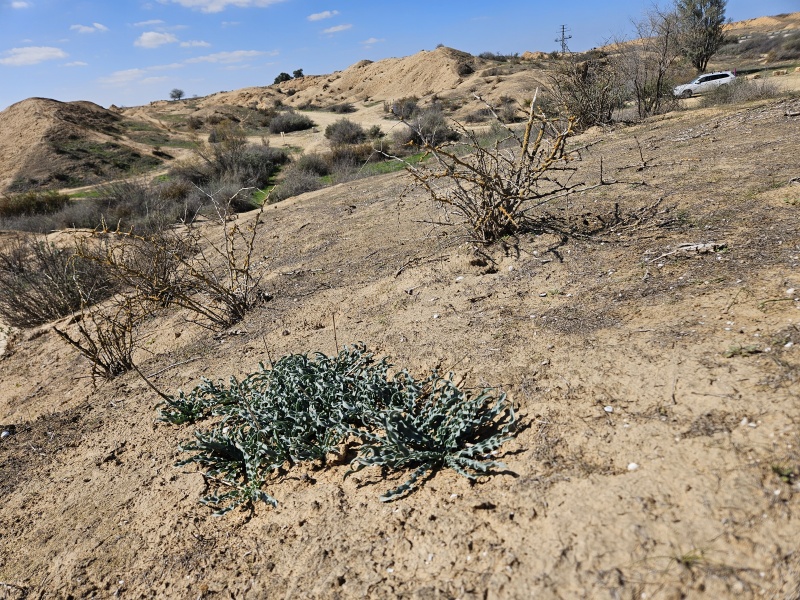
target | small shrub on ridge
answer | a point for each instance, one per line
(345, 131)
(289, 121)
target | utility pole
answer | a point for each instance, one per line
(563, 39)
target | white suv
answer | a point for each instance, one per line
(704, 83)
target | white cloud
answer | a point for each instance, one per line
(168, 67)
(89, 29)
(327, 14)
(149, 23)
(337, 28)
(124, 77)
(21, 4)
(154, 39)
(215, 6)
(77, 63)
(230, 57)
(31, 55)
(131, 76)
(373, 40)
(195, 44)
(150, 80)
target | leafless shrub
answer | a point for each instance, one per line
(106, 338)
(40, 282)
(588, 89)
(215, 279)
(504, 188)
(342, 108)
(402, 108)
(288, 121)
(345, 131)
(29, 203)
(231, 158)
(314, 162)
(427, 128)
(741, 90)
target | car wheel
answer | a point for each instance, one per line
(686, 94)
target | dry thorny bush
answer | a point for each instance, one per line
(504, 188)
(214, 278)
(520, 182)
(40, 281)
(107, 338)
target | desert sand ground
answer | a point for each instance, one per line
(657, 388)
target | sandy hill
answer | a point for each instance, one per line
(657, 386)
(774, 24)
(48, 143)
(421, 74)
(54, 144)
(443, 72)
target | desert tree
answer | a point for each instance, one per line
(176, 94)
(701, 23)
(297, 74)
(648, 62)
(281, 78)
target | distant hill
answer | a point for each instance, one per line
(47, 143)
(51, 144)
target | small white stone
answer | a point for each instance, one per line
(632, 466)
(608, 409)
(511, 268)
(390, 570)
(543, 295)
(788, 344)
(790, 292)
(436, 315)
(777, 492)
(4, 435)
(460, 278)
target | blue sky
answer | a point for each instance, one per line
(130, 52)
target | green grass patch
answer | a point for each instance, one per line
(392, 166)
(85, 194)
(261, 196)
